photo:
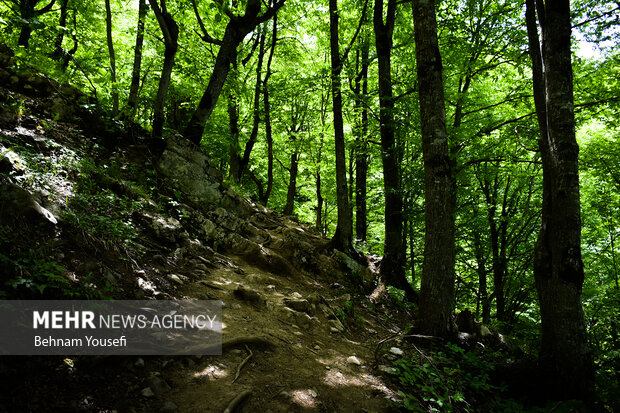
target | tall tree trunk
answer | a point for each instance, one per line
(267, 105)
(233, 123)
(69, 55)
(558, 268)
(132, 101)
(437, 287)
(108, 25)
(319, 203)
(481, 270)
(292, 185)
(249, 145)
(343, 236)
(361, 154)
(170, 30)
(62, 23)
(393, 262)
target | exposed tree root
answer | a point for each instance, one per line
(237, 401)
(245, 360)
(255, 340)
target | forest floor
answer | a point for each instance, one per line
(300, 327)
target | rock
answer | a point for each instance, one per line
(10, 162)
(298, 304)
(396, 351)
(175, 278)
(354, 360)
(139, 362)
(169, 407)
(17, 202)
(387, 369)
(188, 169)
(165, 229)
(246, 294)
(147, 392)
(158, 385)
(337, 325)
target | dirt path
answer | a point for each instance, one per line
(304, 364)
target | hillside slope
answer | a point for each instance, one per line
(92, 209)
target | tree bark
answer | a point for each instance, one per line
(108, 25)
(249, 145)
(236, 29)
(393, 263)
(361, 154)
(558, 268)
(267, 105)
(343, 237)
(437, 287)
(292, 185)
(132, 101)
(170, 31)
(233, 123)
(69, 55)
(62, 23)
(27, 12)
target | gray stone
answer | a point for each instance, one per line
(246, 294)
(188, 169)
(354, 360)
(158, 385)
(17, 202)
(387, 369)
(336, 325)
(147, 392)
(298, 304)
(396, 351)
(175, 278)
(169, 407)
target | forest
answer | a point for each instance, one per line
(464, 153)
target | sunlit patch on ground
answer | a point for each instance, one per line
(211, 372)
(336, 378)
(305, 398)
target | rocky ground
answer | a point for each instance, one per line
(101, 210)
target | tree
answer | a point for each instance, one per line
(343, 237)
(108, 23)
(393, 263)
(361, 149)
(27, 11)
(236, 29)
(132, 100)
(170, 31)
(558, 267)
(437, 287)
(62, 22)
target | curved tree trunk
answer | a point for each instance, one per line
(437, 287)
(236, 29)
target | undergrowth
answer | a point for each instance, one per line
(449, 379)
